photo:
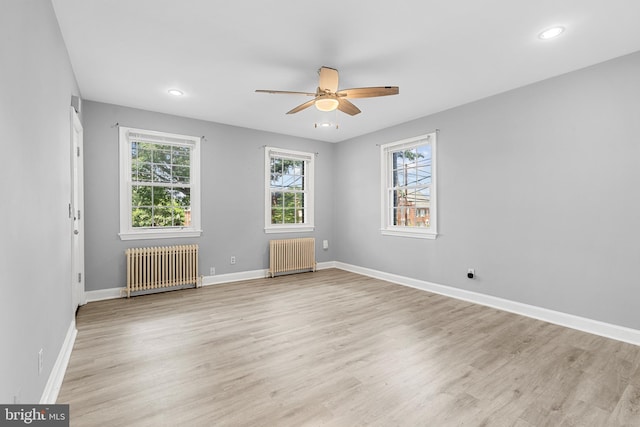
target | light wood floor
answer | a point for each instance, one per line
(334, 348)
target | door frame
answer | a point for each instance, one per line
(76, 212)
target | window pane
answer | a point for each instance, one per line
(423, 197)
(394, 216)
(424, 175)
(162, 155)
(161, 196)
(181, 197)
(276, 166)
(181, 156)
(293, 182)
(424, 155)
(141, 196)
(181, 174)
(163, 216)
(277, 215)
(277, 199)
(141, 217)
(159, 183)
(286, 180)
(408, 192)
(289, 200)
(289, 216)
(412, 177)
(413, 208)
(187, 217)
(276, 180)
(399, 178)
(141, 171)
(142, 151)
(398, 159)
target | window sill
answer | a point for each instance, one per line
(415, 234)
(289, 229)
(159, 234)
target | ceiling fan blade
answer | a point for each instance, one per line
(285, 92)
(368, 92)
(302, 106)
(328, 80)
(347, 107)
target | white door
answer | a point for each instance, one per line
(76, 213)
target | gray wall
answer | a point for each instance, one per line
(35, 249)
(232, 165)
(537, 192)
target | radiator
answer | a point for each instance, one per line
(289, 255)
(161, 267)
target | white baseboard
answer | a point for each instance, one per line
(103, 294)
(607, 330)
(595, 327)
(252, 274)
(52, 388)
(233, 277)
(325, 265)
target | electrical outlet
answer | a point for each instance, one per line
(40, 360)
(233, 260)
(212, 271)
(471, 273)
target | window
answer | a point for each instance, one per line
(288, 191)
(409, 187)
(159, 185)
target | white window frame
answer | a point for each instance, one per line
(308, 158)
(386, 173)
(127, 231)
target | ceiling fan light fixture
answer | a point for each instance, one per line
(324, 125)
(326, 103)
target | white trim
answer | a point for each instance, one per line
(386, 151)
(596, 327)
(309, 159)
(160, 234)
(52, 388)
(326, 265)
(234, 277)
(291, 228)
(127, 232)
(250, 275)
(115, 293)
(104, 294)
(403, 232)
(77, 214)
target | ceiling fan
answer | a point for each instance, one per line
(328, 97)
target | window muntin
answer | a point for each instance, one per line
(289, 191)
(159, 185)
(408, 171)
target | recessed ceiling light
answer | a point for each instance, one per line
(175, 92)
(551, 33)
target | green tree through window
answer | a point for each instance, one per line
(160, 192)
(288, 190)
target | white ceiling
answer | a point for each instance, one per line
(440, 53)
